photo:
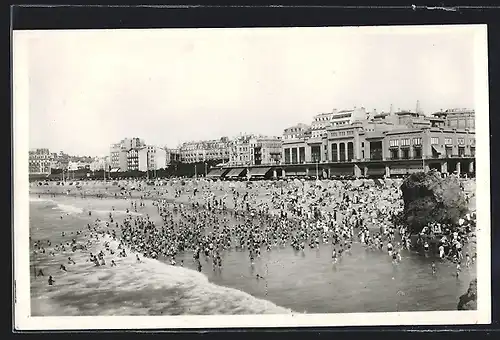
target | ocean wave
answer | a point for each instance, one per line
(68, 208)
(146, 288)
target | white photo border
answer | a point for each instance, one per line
(23, 320)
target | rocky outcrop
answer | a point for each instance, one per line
(429, 198)
(468, 301)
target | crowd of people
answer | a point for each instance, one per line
(207, 218)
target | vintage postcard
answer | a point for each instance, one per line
(264, 177)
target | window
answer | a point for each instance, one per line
(417, 153)
(394, 154)
(435, 140)
(394, 142)
(461, 151)
(405, 142)
(461, 141)
(448, 141)
(405, 154)
(417, 141)
(472, 141)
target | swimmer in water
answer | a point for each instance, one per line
(113, 264)
(70, 261)
(62, 267)
(433, 266)
(40, 273)
(51, 281)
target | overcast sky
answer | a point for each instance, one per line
(88, 89)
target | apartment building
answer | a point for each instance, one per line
(40, 162)
(202, 151)
(118, 156)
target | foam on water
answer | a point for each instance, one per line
(69, 208)
(147, 288)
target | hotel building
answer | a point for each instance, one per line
(202, 151)
(40, 162)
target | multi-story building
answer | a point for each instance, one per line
(202, 151)
(266, 150)
(151, 158)
(388, 144)
(241, 151)
(118, 152)
(458, 118)
(296, 132)
(256, 150)
(172, 155)
(79, 165)
(133, 160)
(40, 162)
(335, 118)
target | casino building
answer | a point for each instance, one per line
(378, 145)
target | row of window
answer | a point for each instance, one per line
(449, 141)
(405, 142)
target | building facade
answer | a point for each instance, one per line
(79, 165)
(152, 158)
(256, 150)
(458, 118)
(396, 143)
(40, 162)
(171, 155)
(133, 160)
(118, 157)
(202, 151)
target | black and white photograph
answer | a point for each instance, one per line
(251, 177)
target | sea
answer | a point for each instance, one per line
(282, 281)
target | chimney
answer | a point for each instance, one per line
(391, 110)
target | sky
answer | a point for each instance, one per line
(91, 88)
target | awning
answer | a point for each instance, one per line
(259, 171)
(296, 173)
(341, 171)
(235, 172)
(215, 173)
(375, 171)
(438, 149)
(399, 171)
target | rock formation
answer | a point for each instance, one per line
(468, 301)
(429, 198)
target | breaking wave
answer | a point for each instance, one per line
(70, 209)
(149, 287)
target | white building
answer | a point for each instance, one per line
(335, 118)
(151, 158)
(79, 165)
(40, 161)
(118, 158)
